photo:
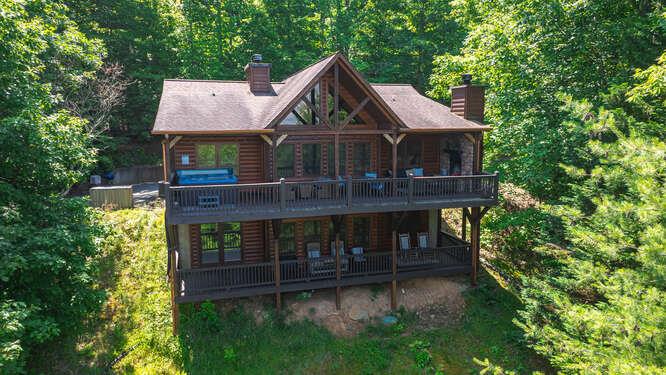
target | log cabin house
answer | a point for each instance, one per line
(265, 180)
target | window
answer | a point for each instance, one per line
(206, 156)
(285, 160)
(211, 246)
(331, 159)
(409, 154)
(343, 231)
(210, 243)
(220, 155)
(343, 158)
(311, 154)
(302, 114)
(228, 156)
(287, 241)
(361, 158)
(232, 242)
(361, 231)
(312, 231)
(344, 109)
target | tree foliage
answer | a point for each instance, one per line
(583, 131)
(599, 306)
(392, 41)
(531, 53)
(46, 241)
(577, 105)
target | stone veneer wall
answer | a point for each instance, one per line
(461, 144)
(467, 155)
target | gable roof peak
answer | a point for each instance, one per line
(300, 82)
(331, 56)
(211, 107)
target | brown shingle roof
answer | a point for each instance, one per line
(209, 107)
(422, 113)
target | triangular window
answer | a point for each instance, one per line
(302, 113)
(344, 109)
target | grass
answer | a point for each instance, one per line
(134, 328)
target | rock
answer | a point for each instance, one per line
(357, 313)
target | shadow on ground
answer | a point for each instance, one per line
(233, 342)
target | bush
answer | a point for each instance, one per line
(48, 275)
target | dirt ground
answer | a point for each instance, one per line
(434, 300)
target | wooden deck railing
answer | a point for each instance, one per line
(289, 199)
(300, 274)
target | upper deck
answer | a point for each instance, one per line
(214, 203)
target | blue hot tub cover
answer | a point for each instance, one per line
(206, 176)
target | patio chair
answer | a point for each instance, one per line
(342, 248)
(314, 247)
(423, 240)
(404, 242)
(377, 187)
(306, 191)
(323, 188)
(344, 261)
(357, 253)
(318, 265)
(408, 256)
(414, 172)
(426, 252)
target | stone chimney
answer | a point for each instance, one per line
(468, 100)
(258, 75)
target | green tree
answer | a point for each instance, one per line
(531, 54)
(396, 41)
(143, 37)
(598, 306)
(47, 242)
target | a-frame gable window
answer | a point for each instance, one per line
(306, 111)
(344, 109)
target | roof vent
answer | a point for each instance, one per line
(466, 79)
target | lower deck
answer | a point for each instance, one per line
(452, 256)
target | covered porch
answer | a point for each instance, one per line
(451, 256)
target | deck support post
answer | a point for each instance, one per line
(478, 153)
(349, 191)
(394, 270)
(337, 222)
(168, 159)
(274, 176)
(475, 219)
(278, 295)
(282, 194)
(410, 189)
(336, 148)
(164, 160)
(464, 224)
(338, 272)
(175, 313)
(276, 245)
(394, 156)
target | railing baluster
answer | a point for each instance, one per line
(232, 199)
